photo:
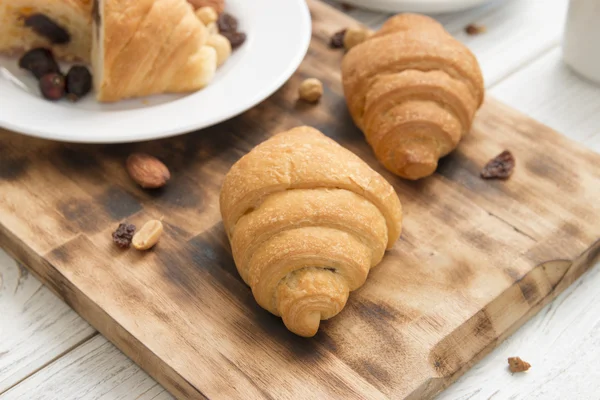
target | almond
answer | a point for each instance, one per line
(147, 171)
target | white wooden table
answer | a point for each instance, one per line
(48, 352)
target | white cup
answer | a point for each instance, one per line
(581, 45)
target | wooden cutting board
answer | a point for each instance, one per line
(477, 258)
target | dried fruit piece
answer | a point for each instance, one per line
(47, 28)
(78, 82)
(147, 171)
(148, 236)
(227, 23)
(39, 61)
(501, 167)
(337, 40)
(474, 29)
(517, 365)
(235, 38)
(355, 36)
(311, 90)
(123, 235)
(52, 86)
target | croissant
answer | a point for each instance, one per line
(145, 47)
(413, 90)
(307, 220)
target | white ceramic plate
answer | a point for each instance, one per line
(278, 36)
(422, 6)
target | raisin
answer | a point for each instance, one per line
(337, 40)
(47, 28)
(39, 61)
(79, 82)
(52, 86)
(227, 23)
(501, 167)
(123, 235)
(235, 38)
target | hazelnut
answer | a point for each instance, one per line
(207, 15)
(355, 36)
(311, 90)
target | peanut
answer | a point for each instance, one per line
(148, 236)
(222, 46)
(212, 28)
(207, 15)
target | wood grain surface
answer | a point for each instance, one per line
(477, 258)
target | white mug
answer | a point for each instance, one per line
(581, 45)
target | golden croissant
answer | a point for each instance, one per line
(145, 47)
(414, 91)
(307, 220)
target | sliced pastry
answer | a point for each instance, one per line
(64, 26)
(146, 47)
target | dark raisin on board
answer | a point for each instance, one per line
(123, 235)
(39, 62)
(227, 23)
(78, 82)
(235, 38)
(501, 167)
(337, 40)
(52, 86)
(47, 28)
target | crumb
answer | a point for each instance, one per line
(515, 364)
(475, 29)
(347, 7)
(146, 102)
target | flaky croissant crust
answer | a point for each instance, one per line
(307, 220)
(414, 91)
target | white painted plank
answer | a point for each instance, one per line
(562, 343)
(35, 326)
(550, 92)
(93, 371)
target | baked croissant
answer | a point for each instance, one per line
(414, 91)
(145, 47)
(307, 220)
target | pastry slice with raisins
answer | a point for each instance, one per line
(64, 26)
(146, 47)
